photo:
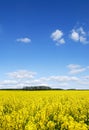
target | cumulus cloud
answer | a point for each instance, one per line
(57, 36)
(84, 80)
(60, 85)
(36, 82)
(75, 69)
(84, 83)
(8, 82)
(58, 78)
(21, 74)
(24, 40)
(21, 78)
(52, 81)
(86, 77)
(73, 66)
(18, 79)
(79, 35)
(75, 35)
(63, 78)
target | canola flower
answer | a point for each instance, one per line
(44, 110)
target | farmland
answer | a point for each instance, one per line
(44, 110)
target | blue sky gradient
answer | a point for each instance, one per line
(47, 37)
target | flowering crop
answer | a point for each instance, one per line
(44, 110)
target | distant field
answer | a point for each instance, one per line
(44, 110)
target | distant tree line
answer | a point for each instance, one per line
(40, 88)
(37, 88)
(33, 88)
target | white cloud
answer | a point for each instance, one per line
(79, 35)
(76, 69)
(21, 78)
(84, 83)
(60, 41)
(59, 85)
(24, 40)
(83, 39)
(21, 74)
(63, 78)
(36, 82)
(73, 66)
(8, 82)
(57, 37)
(81, 30)
(74, 35)
(52, 81)
(86, 77)
(60, 79)
(27, 80)
(84, 80)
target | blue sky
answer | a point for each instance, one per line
(44, 42)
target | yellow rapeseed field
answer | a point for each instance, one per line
(44, 110)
